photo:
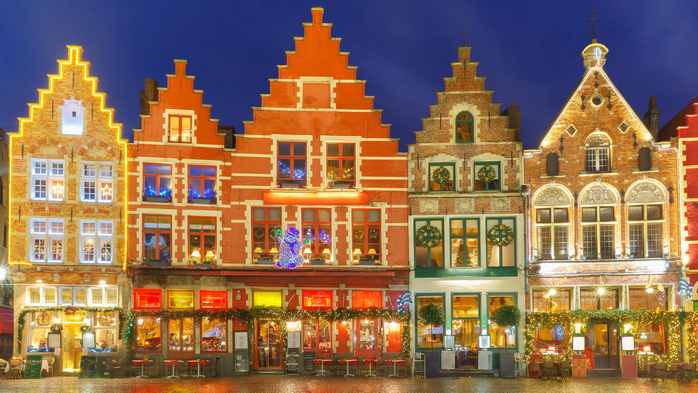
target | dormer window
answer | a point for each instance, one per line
(598, 153)
(72, 117)
(180, 129)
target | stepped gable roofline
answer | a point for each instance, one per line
(671, 128)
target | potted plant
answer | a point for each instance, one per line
(431, 315)
(317, 260)
(265, 259)
(368, 260)
(507, 316)
(208, 197)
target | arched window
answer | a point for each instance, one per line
(644, 159)
(552, 223)
(552, 166)
(464, 128)
(598, 153)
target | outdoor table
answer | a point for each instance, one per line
(44, 365)
(322, 366)
(370, 364)
(198, 362)
(142, 362)
(348, 361)
(173, 363)
(394, 362)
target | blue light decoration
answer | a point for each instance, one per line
(290, 255)
(323, 237)
(208, 193)
(685, 288)
(151, 191)
(404, 300)
(299, 174)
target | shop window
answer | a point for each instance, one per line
(340, 165)
(465, 242)
(546, 337)
(213, 299)
(466, 328)
(265, 222)
(72, 117)
(464, 128)
(47, 180)
(428, 243)
(366, 299)
(645, 231)
(180, 128)
(487, 176)
(147, 298)
(317, 335)
(317, 228)
(214, 335)
(158, 182)
(106, 341)
(202, 240)
(552, 227)
(442, 177)
(180, 299)
(40, 326)
(501, 256)
(366, 236)
(148, 335)
(599, 300)
(551, 300)
(46, 232)
(501, 336)
(652, 336)
(598, 156)
(157, 234)
(97, 182)
(291, 172)
(429, 336)
(651, 299)
(267, 298)
(598, 232)
(202, 184)
(316, 300)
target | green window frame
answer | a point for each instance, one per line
(459, 321)
(460, 240)
(423, 256)
(497, 255)
(490, 317)
(442, 295)
(465, 127)
(494, 185)
(450, 185)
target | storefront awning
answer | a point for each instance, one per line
(6, 320)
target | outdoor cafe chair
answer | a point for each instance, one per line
(547, 369)
(50, 360)
(15, 368)
(687, 372)
(565, 369)
(659, 370)
(382, 365)
(405, 367)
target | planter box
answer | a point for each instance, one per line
(341, 185)
(207, 265)
(290, 184)
(368, 262)
(156, 263)
(202, 201)
(155, 199)
(318, 262)
(265, 261)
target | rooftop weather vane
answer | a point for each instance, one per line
(593, 19)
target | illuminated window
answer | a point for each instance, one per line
(180, 129)
(466, 324)
(366, 235)
(545, 300)
(645, 231)
(501, 336)
(316, 300)
(654, 300)
(202, 239)
(265, 222)
(592, 300)
(47, 180)
(552, 230)
(546, 337)
(158, 182)
(34, 295)
(267, 298)
(180, 299)
(202, 183)
(100, 296)
(43, 236)
(487, 176)
(597, 232)
(157, 232)
(501, 256)
(317, 228)
(72, 117)
(47, 296)
(97, 182)
(464, 128)
(465, 243)
(425, 232)
(97, 295)
(429, 336)
(291, 171)
(340, 165)
(317, 335)
(50, 295)
(598, 157)
(442, 176)
(213, 335)
(652, 335)
(147, 298)
(66, 296)
(96, 234)
(148, 334)
(366, 299)
(213, 299)
(181, 338)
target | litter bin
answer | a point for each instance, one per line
(433, 365)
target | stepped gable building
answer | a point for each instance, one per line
(68, 218)
(467, 228)
(603, 218)
(6, 288)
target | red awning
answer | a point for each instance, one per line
(7, 320)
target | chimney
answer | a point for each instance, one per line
(514, 113)
(149, 93)
(229, 132)
(651, 119)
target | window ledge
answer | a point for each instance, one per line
(429, 272)
(653, 170)
(587, 174)
(562, 175)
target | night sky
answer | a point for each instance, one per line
(528, 50)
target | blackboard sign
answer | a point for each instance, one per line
(308, 364)
(32, 369)
(87, 367)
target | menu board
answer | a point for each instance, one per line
(449, 341)
(309, 361)
(88, 340)
(87, 367)
(32, 369)
(240, 340)
(54, 340)
(294, 340)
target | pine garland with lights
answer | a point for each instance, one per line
(692, 325)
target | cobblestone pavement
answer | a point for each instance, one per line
(280, 383)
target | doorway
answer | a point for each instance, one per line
(72, 348)
(368, 338)
(604, 342)
(268, 344)
(181, 338)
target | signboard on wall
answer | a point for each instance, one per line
(449, 341)
(241, 340)
(294, 340)
(54, 340)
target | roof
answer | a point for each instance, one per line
(670, 129)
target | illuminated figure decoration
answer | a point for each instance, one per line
(404, 300)
(290, 255)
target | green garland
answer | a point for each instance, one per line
(503, 242)
(25, 310)
(487, 174)
(441, 175)
(433, 241)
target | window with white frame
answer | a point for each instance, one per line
(645, 230)
(47, 240)
(42, 296)
(75, 296)
(598, 153)
(47, 179)
(598, 225)
(103, 296)
(96, 241)
(552, 226)
(97, 182)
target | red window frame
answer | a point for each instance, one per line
(201, 336)
(314, 226)
(170, 292)
(292, 160)
(161, 335)
(315, 326)
(309, 294)
(202, 234)
(366, 241)
(157, 232)
(157, 176)
(214, 295)
(374, 297)
(340, 165)
(202, 190)
(265, 243)
(178, 120)
(138, 293)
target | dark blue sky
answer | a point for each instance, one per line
(528, 50)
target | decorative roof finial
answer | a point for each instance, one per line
(593, 19)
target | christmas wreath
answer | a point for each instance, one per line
(70, 311)
(359, 234)
(56, 328)
(275, 233)
(504, 241)
(487, 174)
(258, 233)
(373, 233)
(84, 328)
(428, 236)
(441, 175)
(105, 319)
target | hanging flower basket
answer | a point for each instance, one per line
(487, 174)
(500, 241)
(428, 236)
(441, 175)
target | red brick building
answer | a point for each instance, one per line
(603, 217)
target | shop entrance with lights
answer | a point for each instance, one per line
(603, 338)
(180, 333)
(268, 352)
(71, 338)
